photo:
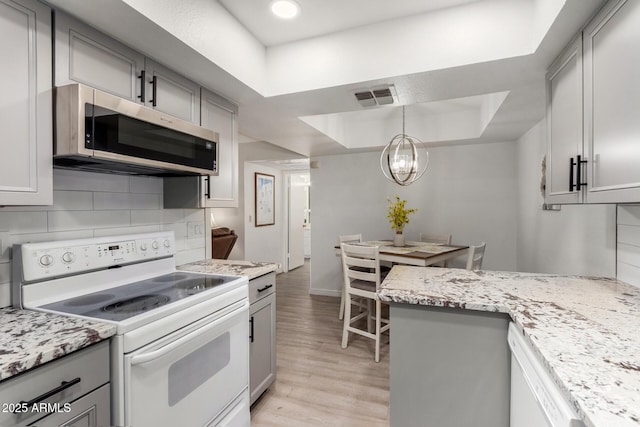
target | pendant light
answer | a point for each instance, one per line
(404, 159)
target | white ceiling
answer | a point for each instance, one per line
(318, 18)
(469, 71)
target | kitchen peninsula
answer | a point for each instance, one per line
(584, 331)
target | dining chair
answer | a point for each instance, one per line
(360, 283)
(443, 239)
(346, 238)
(476, 255)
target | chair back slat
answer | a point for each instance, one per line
(443, 239)
(361, 262)
(348, 238)
(355, 259)
(476, 255)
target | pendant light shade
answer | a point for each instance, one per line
(404, 159)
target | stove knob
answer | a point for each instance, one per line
(155, 245)
(167, 243)
(68, 257)
(143, 247)
(46, 260)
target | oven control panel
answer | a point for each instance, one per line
(51, 259)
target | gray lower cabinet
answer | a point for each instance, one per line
(449, 367)
(262, 334)
(71, 391)
(26, 130)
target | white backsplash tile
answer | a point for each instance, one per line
(147, 217)
(5, 294)
(194, 215)
(127, 230)
(628, 244)
(72, 201)
(76, 180)
(46, 237)
(62, 200)
(169, 216)
(145, 184)
(194, 243)
(79, 220)
(5, 272)
(126, 201)
(192, 255)
(628, 254)
(629, 234)
(23, 222)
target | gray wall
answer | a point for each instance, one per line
(468, 191)
(579, 239)
(236, 218)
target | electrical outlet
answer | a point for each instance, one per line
(194, 230)
(5, 247)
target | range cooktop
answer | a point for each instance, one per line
(126, 301)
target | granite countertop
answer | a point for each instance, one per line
(232, 267)
(585, 330)
(29, 339)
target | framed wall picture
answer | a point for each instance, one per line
(265, 199)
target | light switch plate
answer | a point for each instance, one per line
(5, 247)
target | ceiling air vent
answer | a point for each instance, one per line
(366, 99)
(383, 96)
(378, 96)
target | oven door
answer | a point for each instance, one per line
(189, 377)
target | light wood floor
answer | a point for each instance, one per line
(318, 383)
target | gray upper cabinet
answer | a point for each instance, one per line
(171, 93)
(26, 119)
(84, 55)
(593, 100)
(221, 115)
(564, 124)
(612, 103)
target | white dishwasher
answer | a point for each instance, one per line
(535, 399)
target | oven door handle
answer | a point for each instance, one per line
(152, 355)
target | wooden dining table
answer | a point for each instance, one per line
(421, 254)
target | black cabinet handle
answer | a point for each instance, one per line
(154, 90)
(579, 163)
(63, 386)
(265, 288)
(208, 191)
(143, 84)
(251, 329)
(571, 165)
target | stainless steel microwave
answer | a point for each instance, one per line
(100, 132)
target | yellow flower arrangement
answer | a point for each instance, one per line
(397, 215)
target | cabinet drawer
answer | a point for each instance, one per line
(261, 287)
(90, 365)
(92, 410)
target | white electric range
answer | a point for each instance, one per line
(180, 355)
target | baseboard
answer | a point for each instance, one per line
(324, 292)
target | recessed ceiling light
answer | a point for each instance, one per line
(285, 9)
